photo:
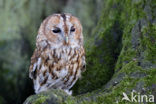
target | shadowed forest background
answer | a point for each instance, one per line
(119, 39)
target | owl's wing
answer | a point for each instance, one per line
(35, 64)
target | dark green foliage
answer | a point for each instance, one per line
(13, 74)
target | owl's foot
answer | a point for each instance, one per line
(68, 92)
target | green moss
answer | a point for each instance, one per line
(149, 42)
(41, 99)
(151, 78)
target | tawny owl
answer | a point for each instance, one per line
(59, 57)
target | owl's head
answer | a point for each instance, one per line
(60, 30)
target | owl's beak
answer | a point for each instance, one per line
(66, 39)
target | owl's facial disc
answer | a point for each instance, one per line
(64, 29)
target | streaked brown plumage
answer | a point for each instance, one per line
(59, 57)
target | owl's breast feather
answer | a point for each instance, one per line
(58, 68)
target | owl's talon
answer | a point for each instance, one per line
(69, 92)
